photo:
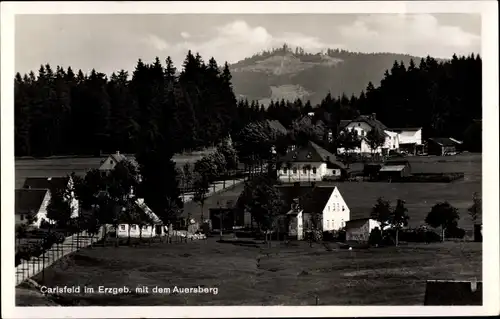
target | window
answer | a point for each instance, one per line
(328, 208)
(111, 162)
(285, 170)
(133, 227)
(343, 208)
(145, 227)
(304, 170)
(338, 206)
(359, 124)
(122, 227)
(295, 170)
(327, 224)
(22, 217)
(362, 132)
(314, 170)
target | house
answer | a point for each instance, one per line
(364, 124)
(55, 184)
(31, 205)
(441, 146)
(302, 205)
(453, 293)
(110, 162)
(309, 163)
(410, 139)
(154, 228)
(359, 229)
(394, 170)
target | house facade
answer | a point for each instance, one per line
(31, 205)
(364, 124)
(154, 228)
(309, 163)
(410, 139)
(307, 207)
(109, 163)
(359, 229)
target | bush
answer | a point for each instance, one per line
(454, 232)
(375, 237)
(329, 236)
(420, 235)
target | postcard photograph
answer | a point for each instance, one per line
(239, 159)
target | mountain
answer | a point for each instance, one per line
(286, 74)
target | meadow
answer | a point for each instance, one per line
(278, 275)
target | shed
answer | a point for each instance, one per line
(441, 146)
(359, 229)
(453, 293)
(395, 170)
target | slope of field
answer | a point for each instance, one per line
(281, 275)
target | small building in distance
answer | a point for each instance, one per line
(110, 162)
(394, 170)
(442, 146)
(31, 206)
(453, 293)
(309, 163)
(359, 230)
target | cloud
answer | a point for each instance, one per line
(156, 42)
(418, 34)
(185, 35)
(235, 41)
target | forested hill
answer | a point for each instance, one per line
(290, 74)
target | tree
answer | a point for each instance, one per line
(399, 218)
(382, 212)
(59, 209)
(476, 209)
(201, 185)
(375, 138)
(262, 200)
(443, 215)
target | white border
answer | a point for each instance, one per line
(489, 12)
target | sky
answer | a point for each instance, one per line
(113, 42)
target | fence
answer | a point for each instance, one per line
(35, 265)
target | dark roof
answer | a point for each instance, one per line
(58, 183)
(401, 129)
(397, 162)
(443, 141)
(312, 152)
(369, 119)
(311, 199)
(277, 126)
(449, 293)
(29, 200)
(344, 123)
(356, 223)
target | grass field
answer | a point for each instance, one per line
(280, 275)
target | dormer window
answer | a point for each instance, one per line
(309, 155)
(359, 124)
(294, 156)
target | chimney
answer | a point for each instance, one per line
(118, 153)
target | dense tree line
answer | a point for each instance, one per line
(63, 112)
